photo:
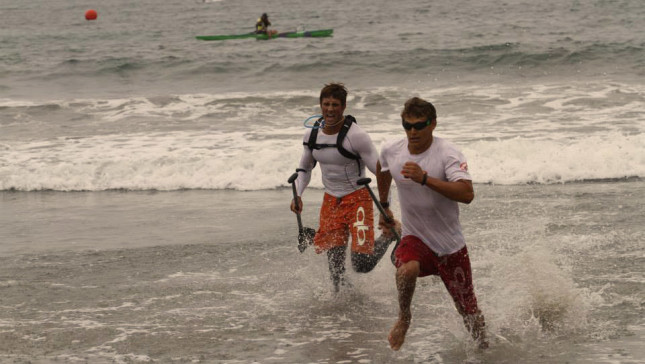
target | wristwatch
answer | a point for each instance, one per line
(385, 205)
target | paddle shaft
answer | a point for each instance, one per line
(382, 211)
(295, 199)
(292, 180)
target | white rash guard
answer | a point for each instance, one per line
(339, 173)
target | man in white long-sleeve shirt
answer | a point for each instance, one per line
(343, 150)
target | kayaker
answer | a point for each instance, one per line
(262, 26)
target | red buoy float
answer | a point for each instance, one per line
(91, 14)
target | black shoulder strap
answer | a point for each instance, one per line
(311, 143)
(349, 120)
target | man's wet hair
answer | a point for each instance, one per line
(418, 108)
(335, 90)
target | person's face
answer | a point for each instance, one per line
(332, 110)
(418, 140)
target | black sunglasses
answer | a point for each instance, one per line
(418, 126)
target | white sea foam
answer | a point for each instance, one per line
(521, 160)
(251, 141)
(244, 161)
(534, 298)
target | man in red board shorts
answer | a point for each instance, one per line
(431, 176)
(343, 150)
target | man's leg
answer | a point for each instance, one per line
(364, 263)
(456, 273)
(332, 238)
(406, 280)
(336, 258)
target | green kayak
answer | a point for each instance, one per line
(303, 34)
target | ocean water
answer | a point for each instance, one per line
(143, 179)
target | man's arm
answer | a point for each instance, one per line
(460, 190)
(384, 182)
(304, 176)
(362, 143)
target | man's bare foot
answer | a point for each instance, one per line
(482, 344)
(479, 335)
(477, 326)
(397, 334)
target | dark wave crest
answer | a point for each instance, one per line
(516, 54)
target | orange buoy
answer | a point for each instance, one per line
(91, 14)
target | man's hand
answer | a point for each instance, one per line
(387, 231)
(386, 227)
(297, 208)
(412, 171)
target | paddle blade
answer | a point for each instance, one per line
(305, 238)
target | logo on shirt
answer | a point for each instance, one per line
(360, 226)
(464, 166)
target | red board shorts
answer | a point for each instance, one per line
(353, 213)
(454, 270)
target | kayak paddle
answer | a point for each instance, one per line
(305, 234)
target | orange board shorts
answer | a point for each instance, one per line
(454, 270)
(353, 213)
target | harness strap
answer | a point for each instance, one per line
(342, 133)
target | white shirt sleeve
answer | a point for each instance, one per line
(456, 165)
(385, 151)
(306, 165)
(361, 142)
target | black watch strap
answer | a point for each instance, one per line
(385, 204)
